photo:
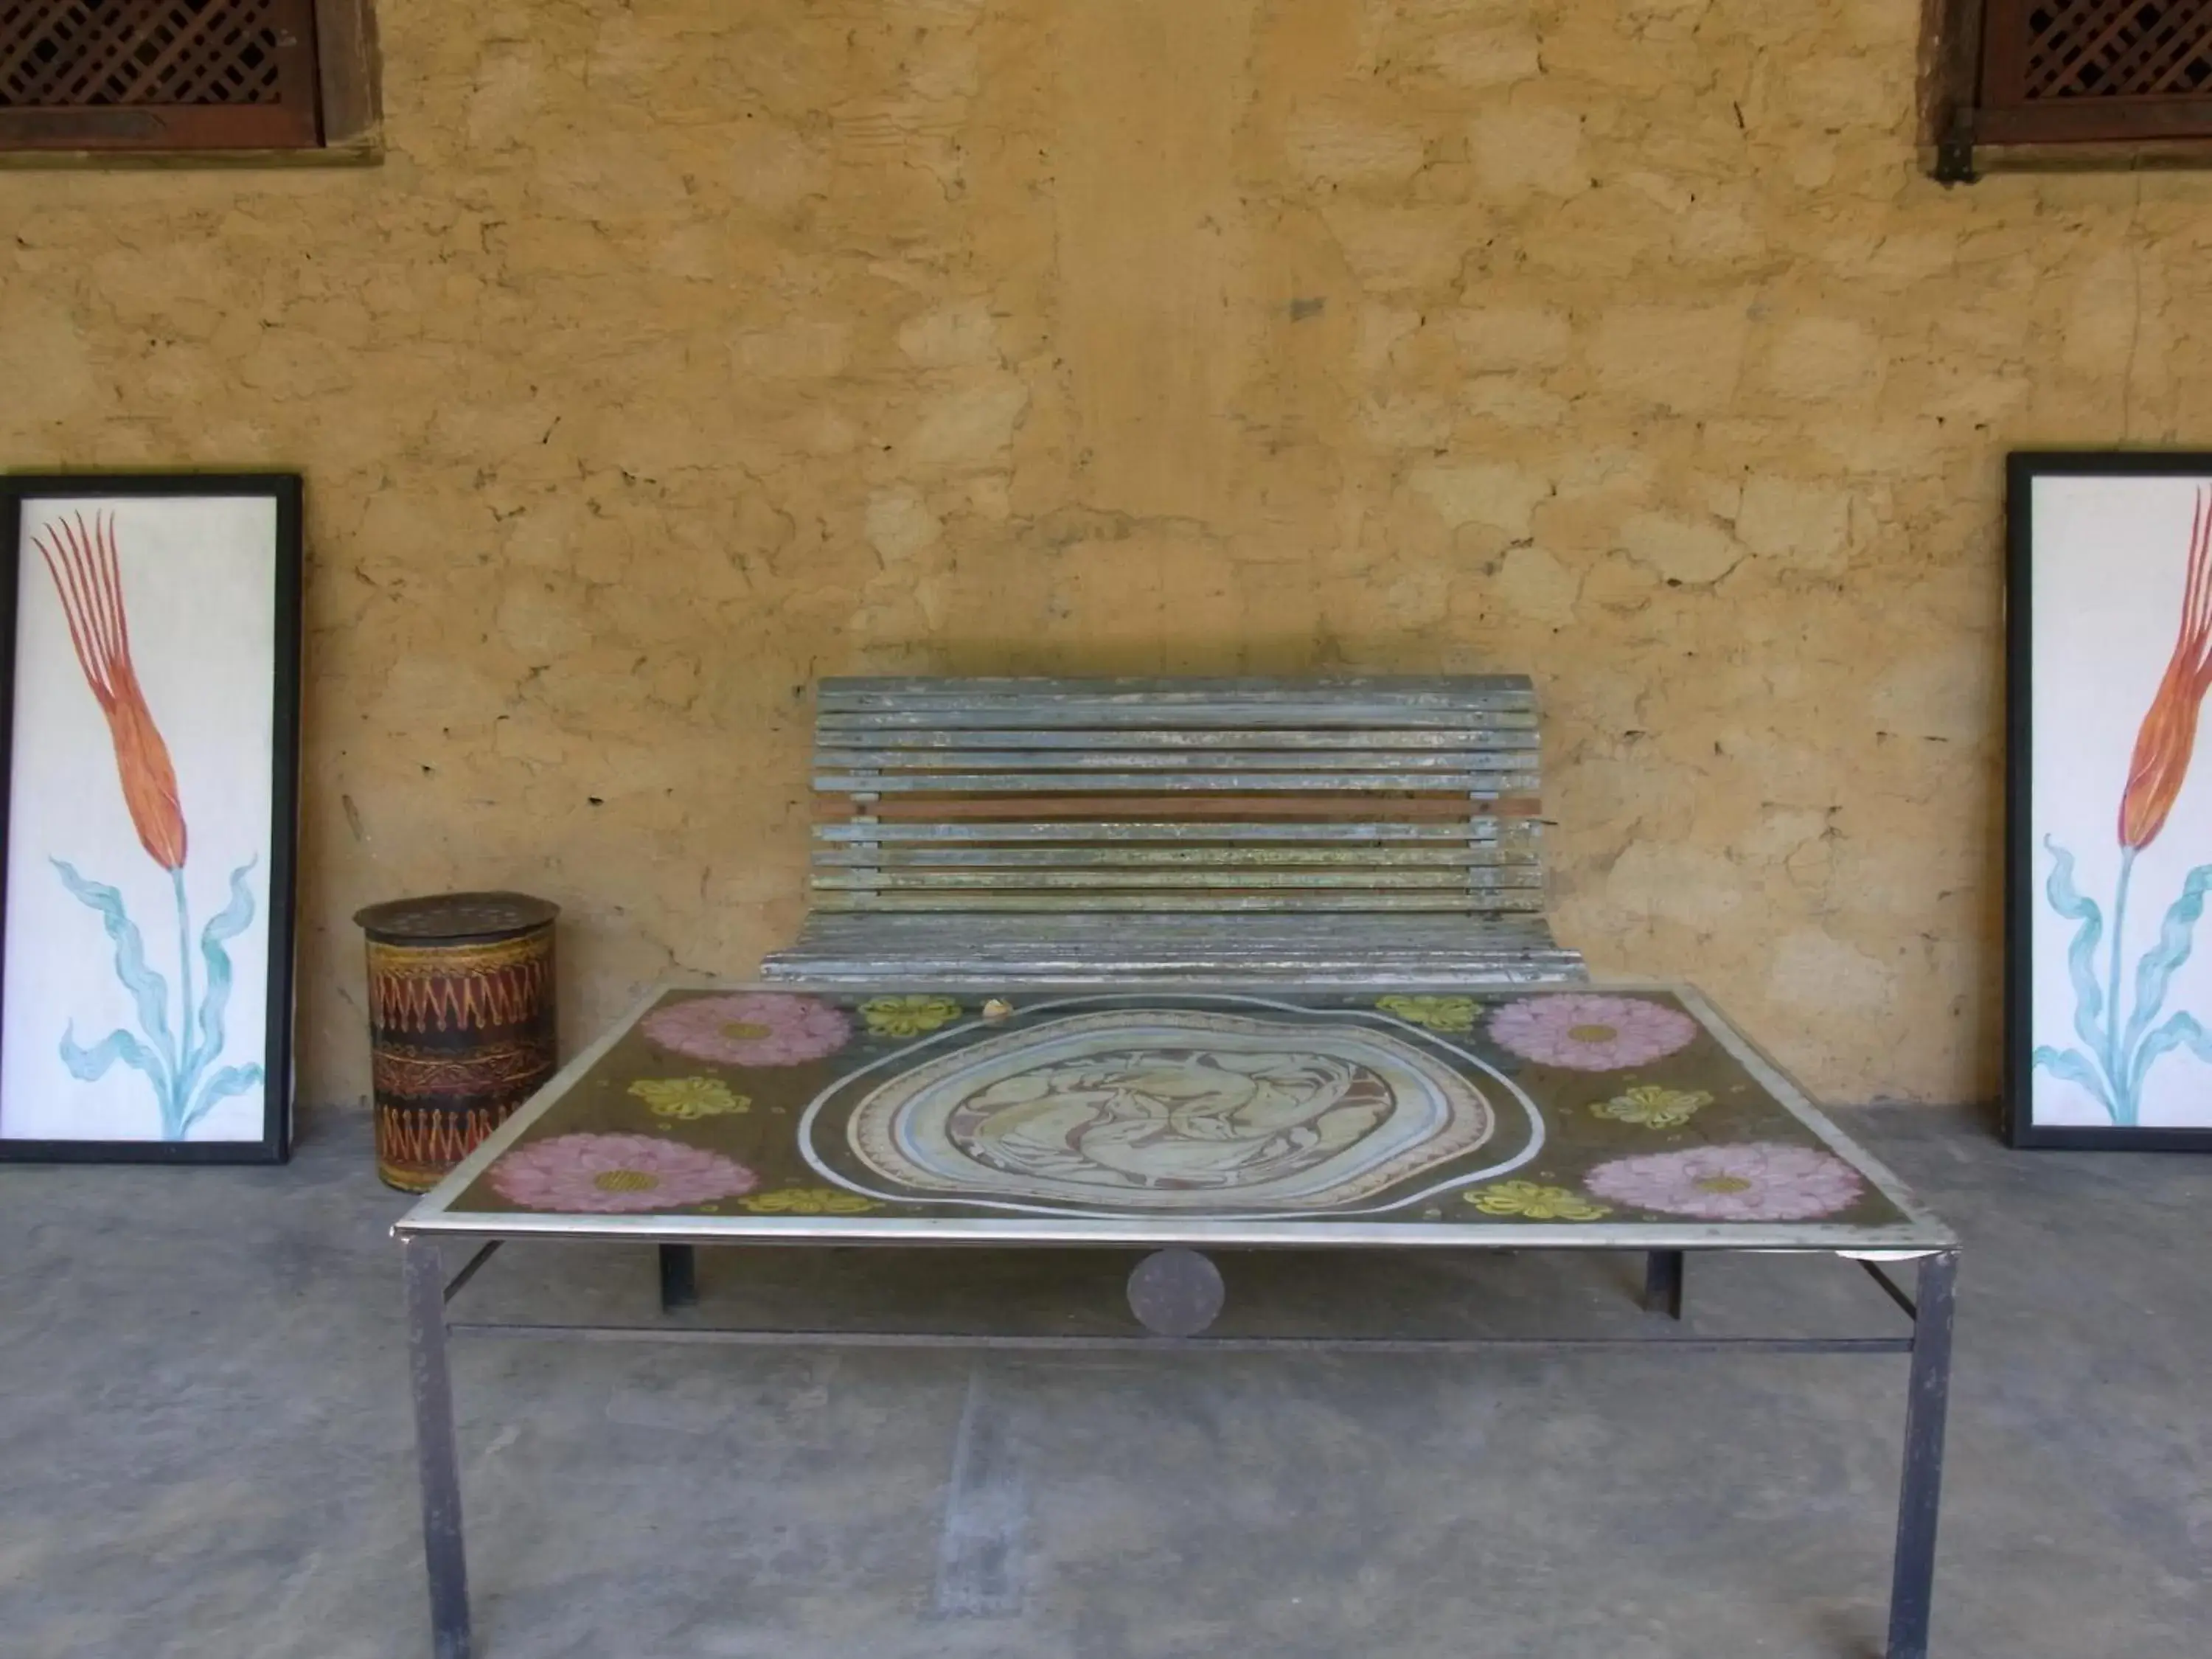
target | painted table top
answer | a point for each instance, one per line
(1592, 1117)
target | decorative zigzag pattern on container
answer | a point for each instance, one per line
(451, 991)
(414, 1149)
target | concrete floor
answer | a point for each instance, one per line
(205, 1450)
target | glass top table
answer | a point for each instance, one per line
(1181, 1120)
(1612, 1118)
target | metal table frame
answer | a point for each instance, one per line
(431, 1286)
(430, 1328)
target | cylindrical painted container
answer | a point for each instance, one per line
(461, 1023)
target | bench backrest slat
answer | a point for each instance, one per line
(1359, 740)
(1453, 903)
(1478, 832)
(1319, 797)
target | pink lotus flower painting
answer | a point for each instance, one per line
(1762, 1181)
(751, 1028)
(612, 1173)
(1588, 1033)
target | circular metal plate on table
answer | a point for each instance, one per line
(450, 916)
(1176, 1293)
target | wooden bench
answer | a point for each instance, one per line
(986, 832)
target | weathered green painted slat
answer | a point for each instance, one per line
(1377, 768)
(1504, 732)
(1383, 900)
(1253, 931)
(999, 953)
(1208, 857)
(1193, 717)
(1278, 701)
(1100, 902)
(1094, 881)
(1477, 829)
(1484, 785)
(1166, 688)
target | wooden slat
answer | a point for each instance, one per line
(1311, 717)
(1172, 766)
(1065, 882)
(1005, 952)
(346, 69)
(2088, 120)
(1166, 705)
(1275, 699)
(843, 731)
(1074, 829)
(1215, 856)
(1461, 828)
(1304, 902)
(1339, 933)
(1164, 688)
(1472, 784)
(1319, 805)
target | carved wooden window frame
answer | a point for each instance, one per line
(2022, 84)
(323, 75)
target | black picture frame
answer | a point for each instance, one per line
(2024, 878)
(287, 491)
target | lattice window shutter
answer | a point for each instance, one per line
(157, 73)
(2060, 70)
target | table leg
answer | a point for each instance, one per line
(424, 1266)
(1912, 1586)
(1663, 1283)
(679, 1277)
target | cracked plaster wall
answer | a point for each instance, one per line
(680, 354)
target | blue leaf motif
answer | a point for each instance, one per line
(231, 1080)
(226, 924)
(2070, 1065)
(2182, 1028)
(2161, 962)
(2080, 964)
(90, 1064)
(147, 988)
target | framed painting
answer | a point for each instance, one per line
(2109, 848)
(149, 690)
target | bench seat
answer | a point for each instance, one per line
(1000, 832)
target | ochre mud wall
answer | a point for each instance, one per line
(679, 355)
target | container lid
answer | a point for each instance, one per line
(456, 916)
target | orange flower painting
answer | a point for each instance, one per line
(2116, 1055)
(83, 566)
(179, 1059)
(2168, 735)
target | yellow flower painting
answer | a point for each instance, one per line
(906, 1017)
(1653, 1107)
(1533, 1201)
(1436, 1013)
(808, 1200)
(688, 1097)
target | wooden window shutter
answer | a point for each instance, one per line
(2061, 72)
(180, 74)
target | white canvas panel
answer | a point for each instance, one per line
(198, 577)
(2111, 561)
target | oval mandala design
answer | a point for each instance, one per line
(1168, 1110)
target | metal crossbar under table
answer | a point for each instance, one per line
(766, 1115)
(430, 1329)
